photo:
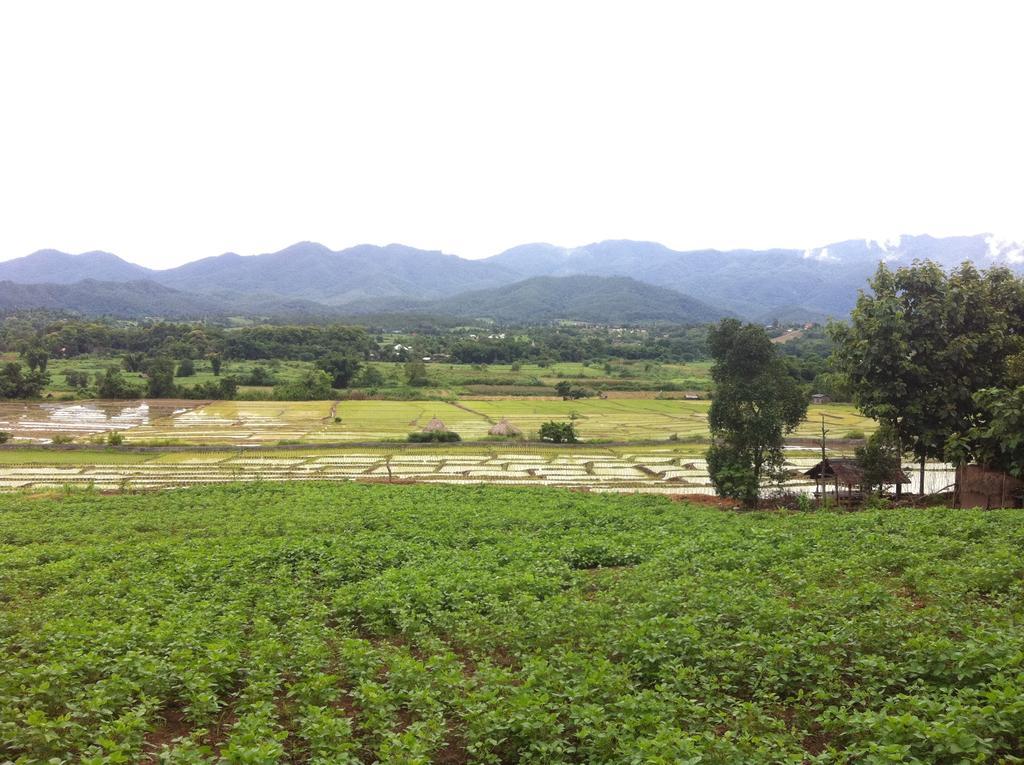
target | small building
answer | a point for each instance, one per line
(435, 426)
(504, 428)
(847, 473)
(980, 487)
(691, 397)
(821, 398)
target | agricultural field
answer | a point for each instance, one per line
(326, 623)
(266, 422)
(679, 469)
(444, 378)
(645, 375)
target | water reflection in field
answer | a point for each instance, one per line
(41, 422)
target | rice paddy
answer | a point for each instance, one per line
(665, 470)
(269, 422)
(628, 444)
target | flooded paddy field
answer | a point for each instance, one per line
(40, 422)
(645, 469)
(269, 422)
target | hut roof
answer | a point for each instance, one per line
(848, 472)
(435, 425)
(504, 428)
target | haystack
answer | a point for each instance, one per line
(435, 426)
(504, 428)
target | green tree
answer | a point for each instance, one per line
(215, 363)
(370, 377)
(16, 383)
(313, 385)
(342, 369)
(259, 376)
(558, 432)
(186, 368)
(36, 357)
(76, 379)
(416, 373)
(921, 343)
(879, 458)
(134, 362)
(160, 378)
(113, 385)
(995, 438)
(570, 392)
(756, 403)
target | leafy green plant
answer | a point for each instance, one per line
(433, 436)
(558, 432)
(327, 623)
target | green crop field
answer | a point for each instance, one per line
(321, 623)
(256, 422)
(443, 377)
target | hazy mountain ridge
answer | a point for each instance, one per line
(308, 277)
(592, 299)
(122, 299)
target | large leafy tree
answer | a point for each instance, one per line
(921, 343)
(160, 378)
(341, 368)
(996, 437)
(756, 403)
(312, 385)
(114, 385)
(17, 383)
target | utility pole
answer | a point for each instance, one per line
(821, 489)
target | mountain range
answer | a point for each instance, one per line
(640, 281)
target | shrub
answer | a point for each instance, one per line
(186, 368)
(62, 438)
(572, 392)
(433, 436)
(854, 435)
(558, 432)
(114, 438)
(77, 379)
(732, 473)
(113, 385)
(259, 376)
(314, 384)
(4, 436)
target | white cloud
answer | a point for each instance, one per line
(819, 253)
(1004, 250)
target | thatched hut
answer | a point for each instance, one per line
(847, 473)
(504, 428)
(435, 426)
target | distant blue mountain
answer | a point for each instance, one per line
(756, 284)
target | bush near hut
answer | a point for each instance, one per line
(433, 436)
(558, 432)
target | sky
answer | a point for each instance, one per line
(166, 132)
